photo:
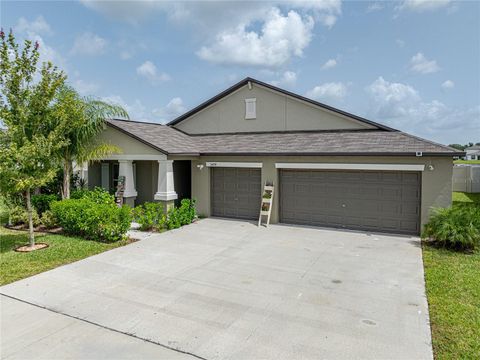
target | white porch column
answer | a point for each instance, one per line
(165, 189)
(126, 169)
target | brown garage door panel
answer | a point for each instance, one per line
(365, 200)
(236, 192)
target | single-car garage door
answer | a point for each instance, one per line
(386, 201)
(236, 192)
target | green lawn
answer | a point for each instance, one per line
(467, 162)
(453, 291)
(461, 197)
(62, 250)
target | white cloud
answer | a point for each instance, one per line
(125, 55)
(419, 63)
(391, 100)
(37, 26)
(34, 31)
(136, 110)
(288, 78)
(139, 112)
(328, 19)
(149, 71)
(129, 11)
(204, 14)
(280, 38)
(174, 108)
(129, 47)
(226, 27)
(85, 87)
(331, 63)
(324, 11)
(400, 43)
(328, 91)
(448, 84)
(423, 5)
(375, 6)
(89, 44)
(401, 106)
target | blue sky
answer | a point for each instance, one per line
(413, 65)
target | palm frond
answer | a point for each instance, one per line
(97, 152)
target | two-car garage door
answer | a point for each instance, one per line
(364, 200)
(387, 201)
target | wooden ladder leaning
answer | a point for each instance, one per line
(266, 205)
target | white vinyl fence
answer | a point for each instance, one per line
(466, 178)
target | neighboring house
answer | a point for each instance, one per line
(330, 168)
(472, 152)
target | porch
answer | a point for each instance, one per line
(146, 178)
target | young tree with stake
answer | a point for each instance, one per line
(28, 94)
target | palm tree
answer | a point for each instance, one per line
(83, 119)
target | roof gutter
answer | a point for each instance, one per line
(403, 154)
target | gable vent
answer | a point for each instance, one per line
(250, 108)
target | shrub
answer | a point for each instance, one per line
(182, 215)
(456, 227)
(97, 195)
(96, 221)
(78, 193)
(41, 202)
(150, 216)
(49, 220)
(19, 215)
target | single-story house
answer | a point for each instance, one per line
(472, 153)
(329, 167)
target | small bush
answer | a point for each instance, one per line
(78, 193)
(49, 220)
(19, 215)
(96, 221)
(456, 227)
(97, 195)
(182, 215)
(150, 216)
(41, 202)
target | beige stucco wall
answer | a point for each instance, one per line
(436, 184)
(128, 144)
(275, 112)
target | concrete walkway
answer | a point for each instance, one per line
(222, 289)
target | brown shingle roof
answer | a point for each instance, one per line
(161, 137)
(344, 142)
(353, 142)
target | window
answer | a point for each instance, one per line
(250, 108)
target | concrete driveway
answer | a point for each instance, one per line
(222, 289)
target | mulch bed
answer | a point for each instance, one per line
(28, 248)
(39, 229)
(43, 230)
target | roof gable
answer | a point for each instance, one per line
(283, 111)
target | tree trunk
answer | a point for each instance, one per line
(31, 237)
(66, 179)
